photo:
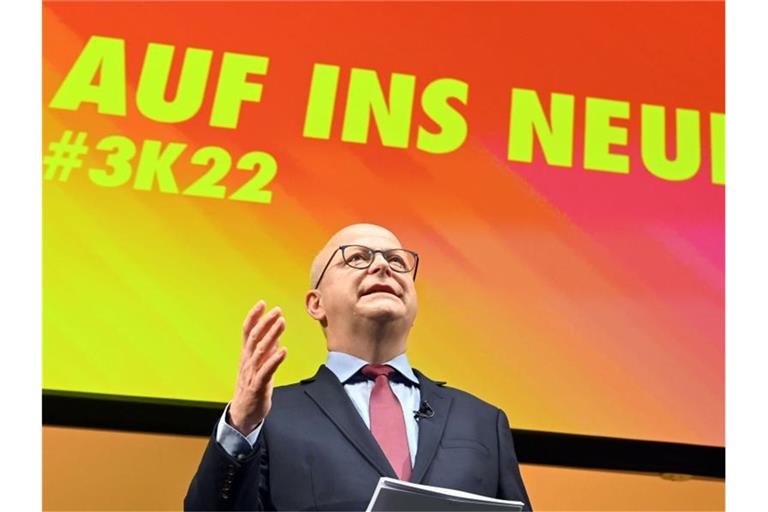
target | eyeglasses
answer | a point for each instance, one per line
(361, 257)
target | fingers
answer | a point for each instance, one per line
(265, 322)
(267, 344)
(267, 370)
(252, 317)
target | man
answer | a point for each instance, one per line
(323, 443)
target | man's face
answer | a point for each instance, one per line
(377, 292)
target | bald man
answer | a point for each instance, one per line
(325, 441)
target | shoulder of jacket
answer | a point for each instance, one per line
(468, 398)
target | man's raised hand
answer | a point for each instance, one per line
(260, 357)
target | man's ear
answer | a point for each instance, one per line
(314, 305)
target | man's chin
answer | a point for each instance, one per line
(381, 308)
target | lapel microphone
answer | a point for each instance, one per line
(425, 411)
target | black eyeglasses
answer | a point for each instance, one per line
(361, 257)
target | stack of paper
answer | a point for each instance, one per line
(397, 496)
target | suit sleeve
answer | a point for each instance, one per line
(226, 482)
(511, 485)
(233, 441)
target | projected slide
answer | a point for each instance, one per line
(559, 167)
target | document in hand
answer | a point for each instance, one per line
(398, 496)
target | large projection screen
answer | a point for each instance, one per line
(558, 167)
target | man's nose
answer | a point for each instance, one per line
(379, 263)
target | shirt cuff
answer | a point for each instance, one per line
(233, 442)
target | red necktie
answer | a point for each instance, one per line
(387, 422)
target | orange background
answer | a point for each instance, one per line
(106, 470)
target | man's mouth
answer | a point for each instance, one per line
(380, 288)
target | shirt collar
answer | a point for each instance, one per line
(345, 366)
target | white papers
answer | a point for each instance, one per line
(397, 495)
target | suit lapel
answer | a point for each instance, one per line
(328, 393)
(430, 429)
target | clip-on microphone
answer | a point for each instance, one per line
(425, 411)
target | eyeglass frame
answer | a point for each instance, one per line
(374, 251)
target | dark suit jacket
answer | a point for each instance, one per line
(315, 453)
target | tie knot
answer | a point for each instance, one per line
(376, 370)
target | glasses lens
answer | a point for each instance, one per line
(400, 260)
(357, 256)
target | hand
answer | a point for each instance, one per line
(259, 359)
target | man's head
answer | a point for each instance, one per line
(351, 300)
